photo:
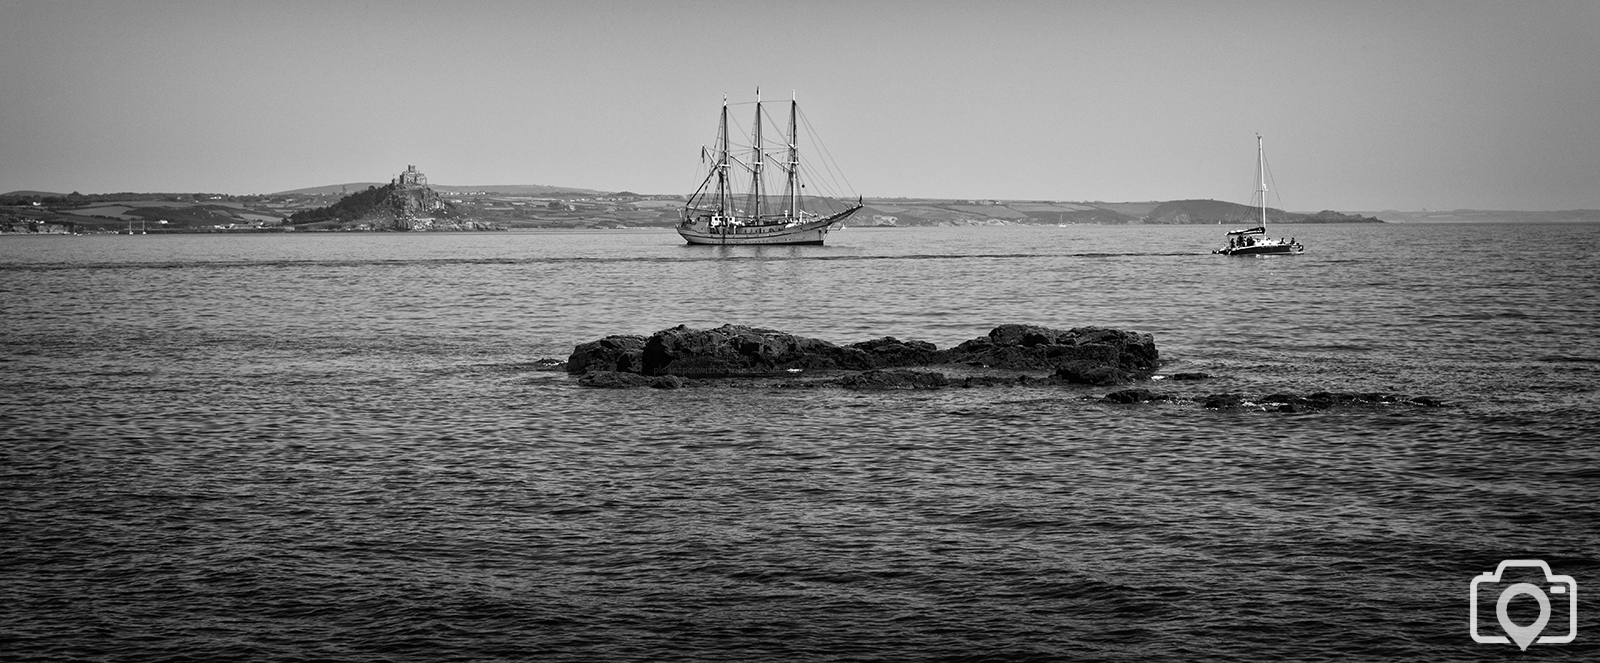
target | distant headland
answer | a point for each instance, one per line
(405, 203)
(409, 203)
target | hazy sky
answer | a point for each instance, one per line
(1364, 105)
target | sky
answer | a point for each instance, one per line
(1364, 106)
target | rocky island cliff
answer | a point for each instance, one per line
(405, 203)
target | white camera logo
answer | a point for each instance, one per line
(1524, 635)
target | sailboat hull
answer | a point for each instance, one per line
(1263, 250)
(811, 233)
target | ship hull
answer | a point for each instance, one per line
(812, 233)
(1263, 250)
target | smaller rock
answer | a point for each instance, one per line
(614, 380)
(667, 382)
(890, 351)
(894, 379)
(987, 381)
(1089, 372)
(1189, 376)
(1129, 396)
(618, 352)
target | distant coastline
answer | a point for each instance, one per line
(547, 207)
(1489, 216)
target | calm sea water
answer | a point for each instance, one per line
(332, 446)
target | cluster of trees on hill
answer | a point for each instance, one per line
(349, 208)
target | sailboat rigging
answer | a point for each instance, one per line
(1245, 242)
(717, 214)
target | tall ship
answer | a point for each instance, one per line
(1253, 241)
(735, 203)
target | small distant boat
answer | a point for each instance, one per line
(1252, 241)
(716, 214)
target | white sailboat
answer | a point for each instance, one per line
(718, 214)
(1252, 241)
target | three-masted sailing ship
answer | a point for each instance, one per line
(718, 213)
(1252, 241)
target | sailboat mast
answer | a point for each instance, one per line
(724, 203)
(794, 159)
(1261, 171)
(755, 186)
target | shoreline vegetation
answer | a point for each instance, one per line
(376, 207)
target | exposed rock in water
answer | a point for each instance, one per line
(1088, 372)
(894, 379)
(740, 351)
(612, 353)
(1087, 355)
(621, 380)
(1127, 396)
(890, 351)
(678, 357)
(1322, 400)
(1028, 346)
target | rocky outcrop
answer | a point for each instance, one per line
(1081, 349)
(894, 379)
(1279, 402)
(1127, 396)
(613, 353)
(1009, 356)
(1087, 355)
(740, 351)
(1322, 400)
(620, 380)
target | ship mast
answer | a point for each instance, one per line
(724, 201)
(755, 169)
(1261, 170)
(792, 190)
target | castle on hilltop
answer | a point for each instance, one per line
(412, 199)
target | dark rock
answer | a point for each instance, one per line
(1084, 355)
(1089, 372)
(1024, 335)
(1189, 376)
(614, 380)
(1427, 401)
(1032, 347)
(737, 350)
(993, 381)
(1128, 396)
(1221, 401)
(1327, 399)
(894, 379)
(612, 353)
(889, 351)
(667, 382)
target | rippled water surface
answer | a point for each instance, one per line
(332, 446)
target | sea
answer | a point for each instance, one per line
(330, 446)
